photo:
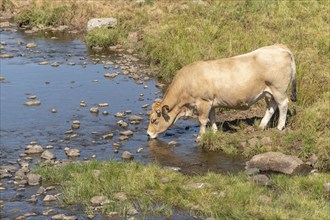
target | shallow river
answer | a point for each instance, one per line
(80, 77)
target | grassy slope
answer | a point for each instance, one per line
(222, 196)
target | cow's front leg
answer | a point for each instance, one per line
(212, 120)
(203, 108)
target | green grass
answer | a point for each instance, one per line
(221, 197)
(104, 37)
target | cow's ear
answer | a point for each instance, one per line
(165, 110)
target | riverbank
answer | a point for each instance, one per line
(173, 34)
(133, 189)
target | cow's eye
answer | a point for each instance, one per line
(153, 120)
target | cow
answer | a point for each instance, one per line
(235, 83)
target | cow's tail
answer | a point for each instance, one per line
(293, 78)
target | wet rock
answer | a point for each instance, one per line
(33, 149)
(55, 64)
(101, 23)
(10, 169)
(33, 199)
(274, 161)
(102, 105)
(48, 211)
(41, 190)
(127, 155)
(127, 133)
(108, 136)
(105, 113)
(43, 63)
(123, 138)
(94, 110)
(261, 179)
(139, 150)
(172, 143)
(4, 174)
(75, 124)
(6, 55)
(98, 200)
(33, 179)
(53, 110)
(111, 75)
(145, 106)
(33, 103)
(64, 217)
(122, 123)
(2, 78)
(32, 97)
(47, 155)
(31, 45)
(120, 115)
(135, 118)
(49, 198)
(72, 152)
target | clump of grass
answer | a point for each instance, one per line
(209, 195)
(104, 37)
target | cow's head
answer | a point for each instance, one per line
(159, 120)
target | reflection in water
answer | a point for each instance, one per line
(194, 162)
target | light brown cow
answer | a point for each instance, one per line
(237, 82)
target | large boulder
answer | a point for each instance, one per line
(274, 161)
(101, 23)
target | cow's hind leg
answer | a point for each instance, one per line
(212, 120)
(271, 108)
(283, 103)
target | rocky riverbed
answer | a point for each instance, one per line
(61, 102)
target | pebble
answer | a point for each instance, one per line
(105, 113)
(120, 115)
(31, 45)
(33, 103)
(108, 136)
(139, 150)
(135, 118)
(82, 104)
(120, 196)
(127, 155)
(55, 64)
(32, 97)
(94, 110)
(53, 110)
(72, 152)
(47, 155)
(102, 105)
(7, 55)
(122, 123)
(43, 63)
(49, 198)
(172, 143)
(75, 124)
(64, 217)
(111, 75)
(127, 133)
(2, 78)
(33, 179)
(145, 106)
(33, 149)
